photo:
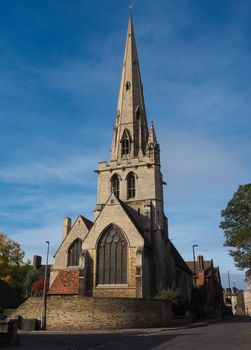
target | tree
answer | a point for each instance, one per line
(31, 277)
(13, 269)
(236, 225)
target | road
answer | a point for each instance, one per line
(232, 334)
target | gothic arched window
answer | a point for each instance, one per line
(74, 252)
(131, 185)
(112, 257)
(125, 143)
(115, 185)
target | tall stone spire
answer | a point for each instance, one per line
(130, 127)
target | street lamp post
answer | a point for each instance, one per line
(194, 264)
(43, 316)
(229, 285)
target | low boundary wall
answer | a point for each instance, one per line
(73, 313)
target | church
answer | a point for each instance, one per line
(125, 252)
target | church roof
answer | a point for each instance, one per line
(65, 283)
(179, 261)
(88, 222)
(132, 217)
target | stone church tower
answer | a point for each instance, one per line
(126, 251)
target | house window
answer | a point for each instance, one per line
(74, 252)
(115, 185)
(112, 257)
(131, 186)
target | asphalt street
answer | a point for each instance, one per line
(232, 334)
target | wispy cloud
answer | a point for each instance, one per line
(74, 170)
(58, 94)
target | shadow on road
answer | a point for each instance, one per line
(96, 341)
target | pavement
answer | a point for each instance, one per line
(130, 330)
(231, 334)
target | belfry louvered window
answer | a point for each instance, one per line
(74, 252)
(131, 186)
(112, 257)
(115, 185)
(125, 147)
(125, 143)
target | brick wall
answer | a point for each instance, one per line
(73, 313)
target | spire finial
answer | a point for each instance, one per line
(130, 10)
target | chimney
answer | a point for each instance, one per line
(200, 263)
(37, 262)
(67, 227)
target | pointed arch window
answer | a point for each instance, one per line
(74, 252)
(131, 185)
(115, 185)
(125, 143)
(112, 257)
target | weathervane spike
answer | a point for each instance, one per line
(130, 9)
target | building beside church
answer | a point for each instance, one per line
(207, 277)
(125, 251)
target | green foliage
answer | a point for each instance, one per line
(171, 294)
(13, 269)
(236, 225)
(30, 278)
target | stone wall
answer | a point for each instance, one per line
(247, 300)
(73, 313)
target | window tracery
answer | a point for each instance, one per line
(112, 257)
(115, 188)
(131, 185)
(74, 252)
(125, 143)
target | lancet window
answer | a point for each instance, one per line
(125, 143)
(115, 185)
(131, 185)
(112, 257)
(74, 252)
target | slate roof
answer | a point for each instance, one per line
(88, 222)
(9, 297)
(66, 283)
(179, 261)
(129, 212)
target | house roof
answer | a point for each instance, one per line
(9, 297)
(207, 266)
(66, 283)
(179, 261)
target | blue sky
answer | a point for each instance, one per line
(60, 66)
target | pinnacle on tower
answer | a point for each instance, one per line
(130, 127)
(152, 136)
